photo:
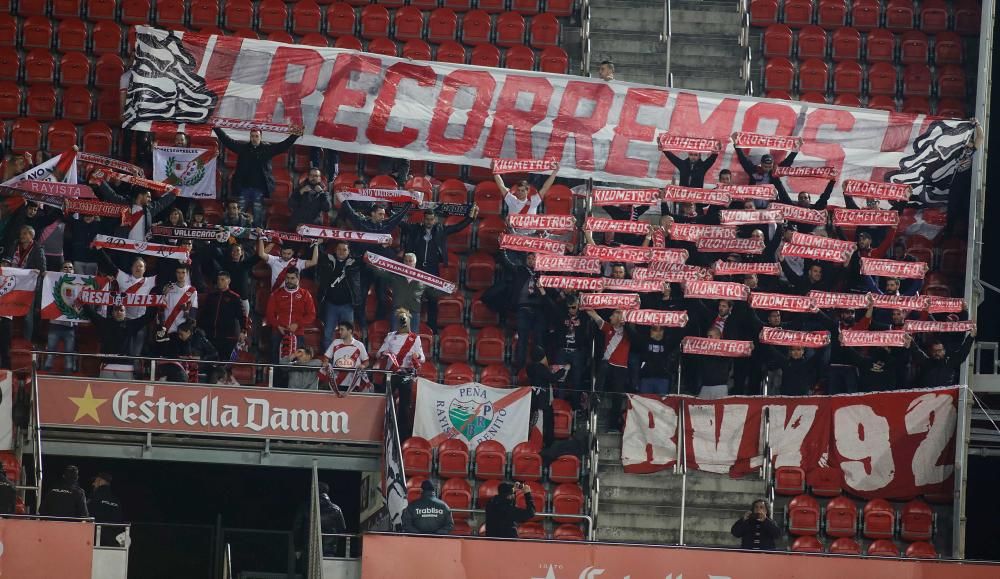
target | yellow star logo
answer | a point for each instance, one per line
(88, 405)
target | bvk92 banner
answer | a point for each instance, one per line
(888, 444)
(453, 113)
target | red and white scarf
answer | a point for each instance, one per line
(410, 273)
(140, 247)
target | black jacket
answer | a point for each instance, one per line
(196, 345)
(657, 357)
(756, 535)
(106, 193)
(428, 515)
(520, 276)
(79, 235)
(387, 225)
(253, 164)
(331, 520)
(114, 336)
(692, 174)
(65, 500)
(220, 315)
(429, 253)
(104, 506)
(35, 258)
(307, 206)
(330, 270)
(758, 175)
(502, 516)
(8, 496)
(798, 376)
(932, 373)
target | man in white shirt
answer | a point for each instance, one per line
(402, 353)
(346, 353)
(182, 300)
(284, 262)
(520, 201)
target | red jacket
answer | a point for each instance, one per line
(291, 307)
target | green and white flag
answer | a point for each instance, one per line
(189, 169)
(472, 413)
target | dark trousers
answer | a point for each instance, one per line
(5, 331)
(431, 297)
(530, 326)
(402, 386)
(577, 361)
(613, 380)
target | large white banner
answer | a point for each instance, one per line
(450, 113)
(189, 169)
(472, 413)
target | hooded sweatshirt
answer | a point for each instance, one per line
(428, 515)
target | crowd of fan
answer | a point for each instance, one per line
(217, 323)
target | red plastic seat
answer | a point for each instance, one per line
(510, 29)
(71, 35)
(480, 315)
(485, 55)
(567, 499)
(913, 47)
(204, 14)
(882, 103)
(10, 100)
(763, 12)
(917, 79)
(454, 344)
(847, 100)
(519, 58)
(453, 191)
(803, 516)
(825, 481)
(526, 7)
(77, 104)
(779, 94)
(538, 496)
(841, 517)
(496, 375)
(452, 52)
(967, 15)
(409, 23)
(845, 546)
(65, 9)
(456, 5)
(39, 67)
(169, 13)
(312, 39)
(486, 491)
(899, 15)
(562, 414)
(348, 43)
(831, 14)
(921, 550)
(779, 74)
(340, 19)
(814, 76)
(413, 490)
(789, 480)
(417, 456)
(281, 36)
(812, 43)
(525, 463)
(865, 14)
(40, 102)
(918, 105)
(383, 46)
(108, 71)
(488, 235)
(916, 521)
(845, 45)
(555, 60)
(10, 64)
(477, 28)
(8, 30)
(237, 15)
(882, 79)
(453, 459)
(883, 548)
(306, 17)
(530, 531)
(458, 373)
(880, 46)
(568, 532)
(25, 136)
(272, 16)
(490, 346)
(878, 519)
(491, 460)
(947, 48)
(933, 16)
(951, 82)
(109, 107)
(36, 32)
(11, 466)
(778, 41)
(806, 545)
(798, 13)
(565, 468)
(106, 38)
(416, 50)
(847, 78)
(461, 529)
(457, 494)
(952, 108)
(544, 31)
(60, 136)
(442, 25)
(480, 271)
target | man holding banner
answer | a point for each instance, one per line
(252, 179)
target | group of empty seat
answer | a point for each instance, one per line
(890, 57)
(840, 521)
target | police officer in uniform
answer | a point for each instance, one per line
(105, 507)
(428, 514)
(66, 498)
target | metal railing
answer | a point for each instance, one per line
(585, 55)
(743, 8)
(666, 38)
(352, 545)
(585, 518)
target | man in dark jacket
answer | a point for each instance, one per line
(115, 334)
(502, 516)
(693, 169)
(187, 342)
(940, 366)
(8, 494)
(105, 508)
(756, 530)
(66, 498)
(528, 299)
(338, 288)
(331, 520)
(221, 316)
(309, 202)
(762, 173)
(428, 515)
(252, 179)
(142, 209)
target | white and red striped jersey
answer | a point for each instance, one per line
(347, 356)
(413, 357)
(279, 266)
(179, 300)
(616, 345)
(128, 283)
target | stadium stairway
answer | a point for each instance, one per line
(705, 53)
(646, 508)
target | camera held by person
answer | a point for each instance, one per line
(502, 516)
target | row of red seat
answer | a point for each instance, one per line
(881, 78)
(878, 520)
(66, 35)
(40, 66)
(25, 136)
(45, 102)
(897, 15)
(877, 548)
(880, 45)
(951, 108)
(453, 459)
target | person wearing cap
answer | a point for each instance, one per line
(428, 515)
(105, 507)
(502, 515)
(66, 498)
(762, 173)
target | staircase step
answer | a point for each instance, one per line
(667, 537)
(702, 521)
(614, 498)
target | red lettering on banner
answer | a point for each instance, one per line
(376, 132)
(506, 115)
(338, 94)
(629, 129)
(482, 84)
(221, 61)
(898, 129)
(278, 86)
(582, 129)
(785, 116)
(685, 119)
(814, 146)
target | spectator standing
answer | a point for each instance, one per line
(428, 515)
(234, 217)
(221, 316)
(502, 515)
(763, 173)
(81, 231)
(105, 507)
(940, 366)
(345, 353)
(308, 377)
(182, 300)
(569, 337)
(338, 280)
(26, 254)
(235, 261)
(133, 281)
(253, 180)
(309, 202)
(656, 356)
(403, 353)
(285, 262)
(190, 343)
(519, 199)
(692, 170)
(612, 374)
(528, 299)
(62, 331)
(331, 520)
(406, 293)
(142, 212)
(290, 309)
(755, 529)
(66, 498)
(116, 333)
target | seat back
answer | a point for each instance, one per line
(803, 516)
(812, 42)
